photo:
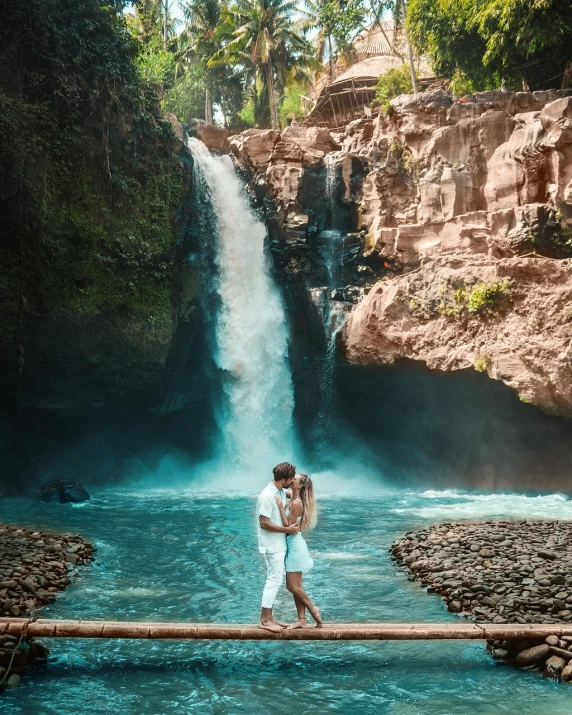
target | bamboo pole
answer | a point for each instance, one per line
(330, 632)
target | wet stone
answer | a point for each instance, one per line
(14, 681)
(554, 666)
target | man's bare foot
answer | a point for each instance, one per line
(300, 623)
(317, 616)
(279, 623)
(271, 626)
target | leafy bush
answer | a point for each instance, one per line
(156, 67)
(482, 363)
(451, 299)
(484, 297)
(482, 44)
(247, 113)
(186, 99)
(391, 84)
(292, 103)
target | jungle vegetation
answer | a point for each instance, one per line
(248, 62)
(90, 181)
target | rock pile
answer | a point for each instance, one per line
(501, 572)
(34, 566)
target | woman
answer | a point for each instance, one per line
(302, 508)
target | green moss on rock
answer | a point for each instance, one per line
(90, 179)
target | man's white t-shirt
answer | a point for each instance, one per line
(270, 541)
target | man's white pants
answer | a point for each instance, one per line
(274, 576)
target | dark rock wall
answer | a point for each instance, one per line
(102, 397)
(462, 429)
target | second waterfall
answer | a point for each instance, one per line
(251, 336)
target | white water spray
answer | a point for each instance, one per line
(251, 331)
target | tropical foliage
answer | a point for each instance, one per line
(391, 84)
(89, 204)
(336, 24)
(483, 44)
(248, 62)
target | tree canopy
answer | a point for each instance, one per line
(482, 44)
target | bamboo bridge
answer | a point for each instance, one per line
(47, 628)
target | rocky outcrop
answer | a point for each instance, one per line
(474, 195)
(216, 138)
(465, 190)
(481, 174)
(279, 164)
(255, 146)
(508, 317)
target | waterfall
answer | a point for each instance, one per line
(331, 177)
(331, 251)
(251, 335)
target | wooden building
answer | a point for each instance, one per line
(334, 104)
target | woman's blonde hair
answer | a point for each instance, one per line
(310, 517)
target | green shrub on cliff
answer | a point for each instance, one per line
(449, 298)
(391, 84)
(89, 178)
(484, 297)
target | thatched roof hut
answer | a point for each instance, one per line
(334, 104)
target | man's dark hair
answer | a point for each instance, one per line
(284, 470)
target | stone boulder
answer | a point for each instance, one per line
(177, 128)
(554, 666)
(315, 142)
(533, 655)
(216, 138)
(63, 491)
(255, 147)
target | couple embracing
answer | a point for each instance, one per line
(284, 508)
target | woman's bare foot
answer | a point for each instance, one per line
(317, 616)
(300, 623)
(271, 626)
(279, 623)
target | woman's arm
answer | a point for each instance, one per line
(282, 510)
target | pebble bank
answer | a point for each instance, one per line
(501, 572)
(34, 566)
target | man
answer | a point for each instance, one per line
(272, 540)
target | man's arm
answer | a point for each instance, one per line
(268, 525)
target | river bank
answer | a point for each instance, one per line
(500, 572)
(34, 566)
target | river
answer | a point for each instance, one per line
(184, 554)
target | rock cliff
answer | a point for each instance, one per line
(463, 213)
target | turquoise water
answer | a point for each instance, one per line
(182, 555)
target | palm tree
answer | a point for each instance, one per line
(264, 39)
(313, 19)
(398, 9)
(199, 39)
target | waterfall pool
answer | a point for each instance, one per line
(180, 554)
